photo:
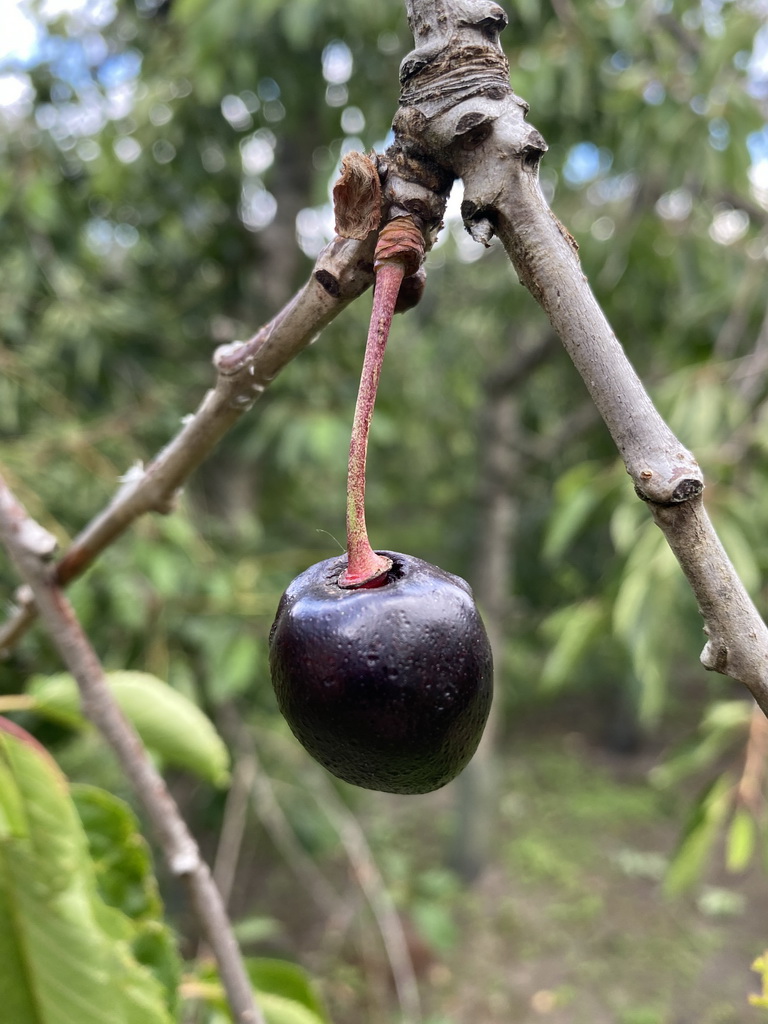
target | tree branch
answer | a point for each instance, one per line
(458, 117)
(342, 272)
(27, 547)
(475, 129)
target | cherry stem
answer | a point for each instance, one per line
(363, 564)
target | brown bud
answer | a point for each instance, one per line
(411, 290)
(357, 197)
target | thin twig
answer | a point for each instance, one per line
(374, 887)
(274, 820)
(179, 847)
(233, 826)
(342, 272)
(365, 870)
(267, 807)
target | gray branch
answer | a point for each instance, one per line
(20, 535)
(342, 272)
(460, 118)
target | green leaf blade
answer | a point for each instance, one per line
(59, 963)
(702, 828)
(740, 842)
(168, 723)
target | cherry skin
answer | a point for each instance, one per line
(388, 687)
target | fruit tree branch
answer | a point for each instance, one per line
(28, 546)
(458, 117)
(342, 272)
(459, 114)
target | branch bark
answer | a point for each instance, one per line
(460, 117)
(342, 272)
(28, 545)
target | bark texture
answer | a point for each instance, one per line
(342, 272)
(459, 118)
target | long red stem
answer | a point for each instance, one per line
(399, 252)
(363, 565)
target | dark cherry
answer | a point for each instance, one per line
(380, 661)
(388, 686)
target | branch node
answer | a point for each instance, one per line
(473, 128)
(330, 283)
(492, 22)
(185, 862)
(243, 402)
(411, 291)
(477, 222)
(36, 539)
(132, 476)
(714, 657)
(225, 356)
(167, 504)
(534, 149)
(687, 489)
(30, 535)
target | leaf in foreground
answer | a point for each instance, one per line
(65, 955)
(168, 723)
(125, 878)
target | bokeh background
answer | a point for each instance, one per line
(164, 186)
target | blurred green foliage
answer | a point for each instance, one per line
(164, 177)
(154, 176)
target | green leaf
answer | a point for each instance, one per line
(761, 966)
(698, 839)
(170, 724)
(625, 523)
(280, 1010)
(123, 868)
(577, 493)
(720, 728)
(276, 1010)
(740, 842)
(65, 956)
(256, 929)
(575, 628)
(437, 924)
(288, 981)
(120, 854)
(650, 665)
(284, 991)
(12, 821)
(727, 715)
(692, 757)
(239, 664)
(646, 601)
(741, 551)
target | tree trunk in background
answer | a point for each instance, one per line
(503, 466)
